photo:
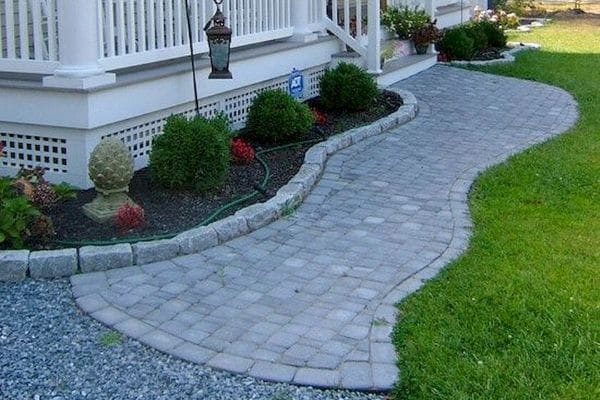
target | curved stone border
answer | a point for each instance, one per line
(15, 265)
(508, 55)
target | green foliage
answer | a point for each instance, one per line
(191, 154)
(495, 34)
(456, 44)
(517, 317)
(16, 214)
(477, 32)
(404, 21)
(276, 117)
(111, 339)
(347, 88)
(65, 191)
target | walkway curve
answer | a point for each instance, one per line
(309, 299)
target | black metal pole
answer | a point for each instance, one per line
(189, 24)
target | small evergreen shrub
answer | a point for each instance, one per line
(347, 88)
(191, 154)
(276, 117)
(456, 44)
(495, 34)
(475, 31)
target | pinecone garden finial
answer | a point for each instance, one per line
(111, 169)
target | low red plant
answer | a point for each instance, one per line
(241, 152)
(320, 118)
(129, 216)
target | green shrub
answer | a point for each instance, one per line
(495, 34)
(475, 31)
(191, 154)
(456, 44)
(347, 88)
(16, 215)
(276, 117)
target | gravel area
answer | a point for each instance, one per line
(50, 350)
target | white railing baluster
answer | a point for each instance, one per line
(52, 35)
(358, 18)
(179, 25)
(151, 23)
(121, 32)
(110, 19)
(36, 20)
(160, 23)
(23, 30)
(141, 24)
(130, 21)
(194, 10)
(169, 23)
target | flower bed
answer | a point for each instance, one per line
(168, 211)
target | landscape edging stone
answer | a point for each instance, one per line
(288, 197)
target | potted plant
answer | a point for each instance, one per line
(425, 36)
(404, 22)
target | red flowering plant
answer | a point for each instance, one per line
(320, 118)
(241, 152)
(129, 216)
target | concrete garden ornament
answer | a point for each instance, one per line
(111, 169)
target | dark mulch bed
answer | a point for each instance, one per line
(492, 53)
(169, 212)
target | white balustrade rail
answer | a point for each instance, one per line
(140, 31)
(28, 36)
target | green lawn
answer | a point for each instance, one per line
(518, 316)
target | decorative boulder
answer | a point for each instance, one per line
(111, 169)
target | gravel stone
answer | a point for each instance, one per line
(49, 350)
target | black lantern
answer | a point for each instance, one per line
(219, 44)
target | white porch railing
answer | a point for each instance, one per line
(349, 19)
(79, 38)
(140, 31)
(28, 35)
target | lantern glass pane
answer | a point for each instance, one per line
(220, 54)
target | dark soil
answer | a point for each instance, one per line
(169, 212)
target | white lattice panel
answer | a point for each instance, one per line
(139, 136)
(29, 151)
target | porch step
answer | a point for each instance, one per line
(403, 67)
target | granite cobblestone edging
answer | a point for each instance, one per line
(16, 265)
(508, 55)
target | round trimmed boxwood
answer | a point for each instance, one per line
(276, 117)
(477, 32)
(191, 154)
(456, 44)
(495, 34)
(347, 88)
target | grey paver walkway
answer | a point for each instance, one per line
(309, 299)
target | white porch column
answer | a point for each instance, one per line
(374, 35)
(78, 47)
(430, 8)
(301, 22)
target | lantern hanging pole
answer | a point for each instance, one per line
(189, 25)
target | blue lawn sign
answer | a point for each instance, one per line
(296, 84)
